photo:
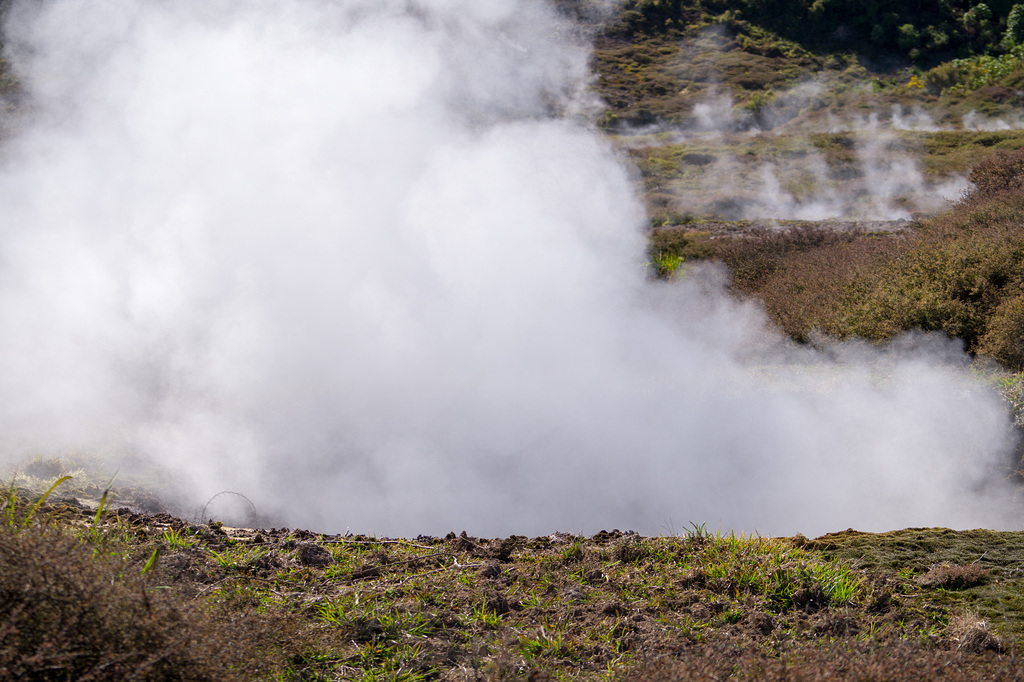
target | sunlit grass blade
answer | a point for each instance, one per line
(103, 500)
(152, 561)
(32, 510)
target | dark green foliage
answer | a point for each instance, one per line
(907, 37)
(927, 30)
(1015, 26)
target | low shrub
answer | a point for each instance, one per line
(669, 248)
(953, 576)
(952, 286)
(962, 273)
(66, 614)
(996, 176)
(1004, 335)
(801, 275)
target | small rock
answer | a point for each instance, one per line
(309, 554)
(490, 570)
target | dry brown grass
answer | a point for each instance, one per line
(971, 634)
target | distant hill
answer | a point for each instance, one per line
(656, 59)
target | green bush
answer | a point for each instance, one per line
(943, 77)
(908, 37)
(976, 18)
(1015, 26)
(935, 38)
(974, 73)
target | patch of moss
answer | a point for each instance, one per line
(999, 599)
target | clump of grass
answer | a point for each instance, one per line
(971, 634)
(12, 506)
(669, 249)
(179, 538)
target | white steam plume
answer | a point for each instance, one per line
(885, 183)
(344, 258)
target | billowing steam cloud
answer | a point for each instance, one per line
(355, 260)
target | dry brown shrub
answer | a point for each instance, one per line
(953, 576)
(804, 276)
(961, 273)
(66, 614)
(995, 175)
(970, 634)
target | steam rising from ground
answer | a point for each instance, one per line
(345, 258)
(882, 182)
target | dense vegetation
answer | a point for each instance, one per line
(929, 30)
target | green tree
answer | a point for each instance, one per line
(1015, 26)
(977, 17)
(908, 38)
